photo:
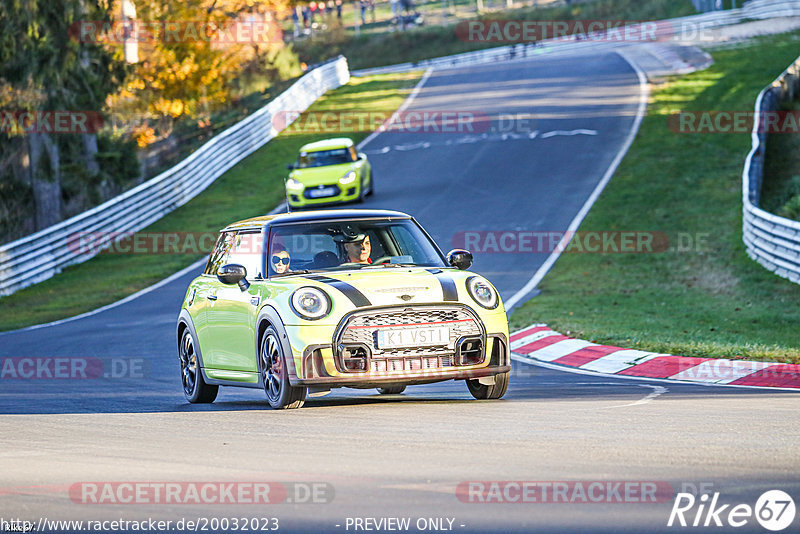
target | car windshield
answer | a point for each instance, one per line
(322, 158)
(349, 244)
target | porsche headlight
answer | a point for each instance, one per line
(311, 303)
(348, 178)
(294, 185)
(482, 292)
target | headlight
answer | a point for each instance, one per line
(348, 178)
(291, 183)
(482, 292)
(311, 303)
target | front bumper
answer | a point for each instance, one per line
(348, 354)
(347, 193)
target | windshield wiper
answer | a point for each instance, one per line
(289, 273)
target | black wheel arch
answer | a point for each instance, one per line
(269, 316)
(185, 322)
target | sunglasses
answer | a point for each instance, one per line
(277, 259)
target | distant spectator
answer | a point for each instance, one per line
(295, 22)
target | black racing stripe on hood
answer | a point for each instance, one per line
(449, 291)
(356, 297)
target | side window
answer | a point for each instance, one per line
(220, 249)
(409, 246)
(245, 250)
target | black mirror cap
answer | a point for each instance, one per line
(233, 273)
(459, 258)
(290, 166)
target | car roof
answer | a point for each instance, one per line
(327, 144)
(314, 216)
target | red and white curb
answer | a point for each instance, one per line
(540, 343)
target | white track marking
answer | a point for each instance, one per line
(644, 93)
(657, 391)
(576, 370)
(581, 131)
(193, 267)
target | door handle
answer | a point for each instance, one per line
(211, 297)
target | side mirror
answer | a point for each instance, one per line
(290, 166)
(233, 273)
(459, 258)
(361, 155)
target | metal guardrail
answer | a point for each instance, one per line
(772, 241)
(671, 28)
(41, 255)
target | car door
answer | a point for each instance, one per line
(205, 298)
(232, 320)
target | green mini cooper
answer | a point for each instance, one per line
(300, 303)
(328, 172)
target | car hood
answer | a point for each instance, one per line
(392, 286)
(326, 175)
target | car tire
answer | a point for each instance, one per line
(195, 388)
(275, 374)
(392, 390)
(371, 190)
(495, 391)
(362, 191)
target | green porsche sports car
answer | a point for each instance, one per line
(299, 303)
(328, 172)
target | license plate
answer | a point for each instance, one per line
(325, 192)
(413, 337)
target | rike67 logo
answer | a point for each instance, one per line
(774, 510)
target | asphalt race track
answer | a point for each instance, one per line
(406, 455)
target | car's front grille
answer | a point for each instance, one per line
(358, 336)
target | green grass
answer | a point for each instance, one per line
(780, 190)
(251, 188)
(376, 49)
(712, 301)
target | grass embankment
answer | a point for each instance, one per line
(251, 188)
(376, 49)
(780, 191)
(710, 301)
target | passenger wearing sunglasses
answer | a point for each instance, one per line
(280, 259)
